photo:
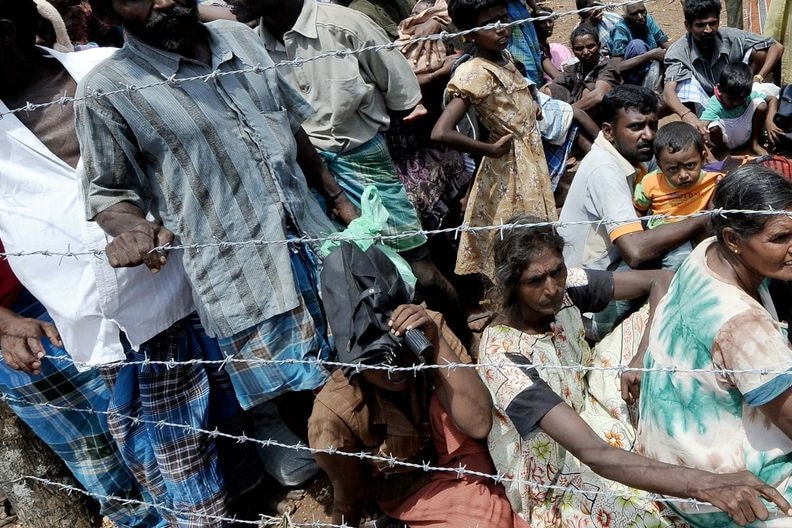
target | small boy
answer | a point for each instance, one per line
(680, 186)
(736, 114)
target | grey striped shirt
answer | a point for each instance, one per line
(215, 161)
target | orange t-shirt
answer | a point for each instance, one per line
(656, 194)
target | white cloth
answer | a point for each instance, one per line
(737, 131)
(602, 191)
(42, 209)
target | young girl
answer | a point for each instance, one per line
(512, 177)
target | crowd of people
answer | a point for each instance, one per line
(245, 194)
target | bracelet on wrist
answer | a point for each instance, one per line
(685, 113)
(335, 195)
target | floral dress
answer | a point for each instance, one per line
(517, 182)
(533, 464)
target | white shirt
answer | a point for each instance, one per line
(42, 209)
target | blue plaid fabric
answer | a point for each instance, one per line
(299, 334)
(524, 44)
(180, 466)
(79, 437)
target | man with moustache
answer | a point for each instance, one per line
(638, 44)
(694, 62)
(610, 234)
(223, 161)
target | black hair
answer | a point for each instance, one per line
(698, 9)
(676, 136)
(24, 15)
(750, 187)
(628, 97)
(514, 250)
(583, 4)
(581, 31)
(465, 12)
(736, 80)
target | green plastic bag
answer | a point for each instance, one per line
(364, 230)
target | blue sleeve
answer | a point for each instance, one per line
(620, 37)
(654, 30)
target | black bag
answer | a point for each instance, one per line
(783, 118)
(360, 290)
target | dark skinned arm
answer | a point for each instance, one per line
(640, 247)
(632, 285)
(460, 390)
(774, 54)
(738, 494)
(626, 65)
(20, 341)
(445, 133)
(318, 177)
(592, 98)
(134, 237)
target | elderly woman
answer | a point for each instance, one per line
(553, 437)
(717, 318)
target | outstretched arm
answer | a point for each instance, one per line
(737, 494)
(639, 247)
(630, 285)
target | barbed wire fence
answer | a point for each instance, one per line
(501, 228)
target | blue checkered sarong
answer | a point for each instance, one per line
(299, 334)
(77, 436)
(179, 465)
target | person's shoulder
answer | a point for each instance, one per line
(235, 30)
(345, 19)
(599, 161)
(100, 75)
(679, 48)
(340, 395)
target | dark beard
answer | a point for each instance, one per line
(177, 30)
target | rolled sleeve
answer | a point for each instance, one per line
(111, 173)
(749, 343)
(613, 198)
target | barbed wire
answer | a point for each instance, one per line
(380, 238)
(390, 460)
(419, 367)
(300, 61)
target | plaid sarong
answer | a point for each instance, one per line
(178, 465)
(80, 438)
(299, 334)
(371, 164)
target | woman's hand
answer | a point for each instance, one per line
(739, 495)
(411, 316)
(774, 132)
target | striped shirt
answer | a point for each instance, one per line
(215, 161)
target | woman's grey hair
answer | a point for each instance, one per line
(749, 187)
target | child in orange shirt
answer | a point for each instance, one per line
(679, 186)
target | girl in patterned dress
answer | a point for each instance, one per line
(512, 176)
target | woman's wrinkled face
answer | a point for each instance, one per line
(541, 287)
(768, 253)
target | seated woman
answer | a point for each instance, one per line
(407, 417)
(553, 436)
(718, 315)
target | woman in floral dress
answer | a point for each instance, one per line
(560, 433)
